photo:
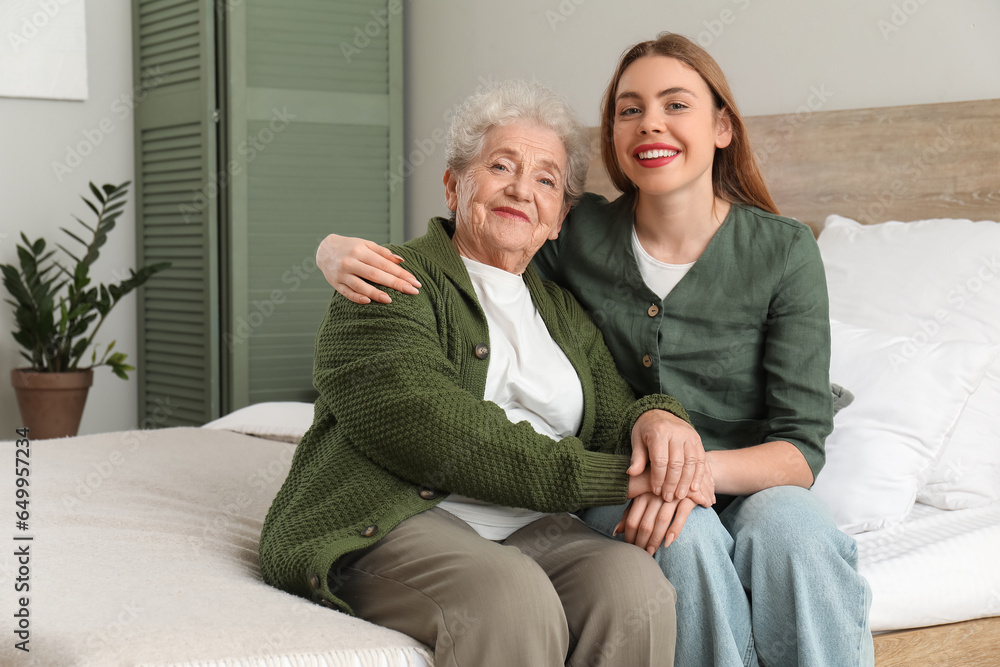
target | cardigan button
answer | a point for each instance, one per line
(326, 603)
(647, 360)
(428, 494)
(653, 310)
(314, 581)
(369, 531)
(482, 351)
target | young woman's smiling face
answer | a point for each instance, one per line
(666, 127)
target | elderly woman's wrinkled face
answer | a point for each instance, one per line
(510, 199)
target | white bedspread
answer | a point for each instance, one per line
(145, 552)
(938, 566)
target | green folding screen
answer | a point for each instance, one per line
(298, 110)
(179, 358)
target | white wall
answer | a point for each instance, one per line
(777, 54)
(34, 134)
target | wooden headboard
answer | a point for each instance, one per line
(893, 163)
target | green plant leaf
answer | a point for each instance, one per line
(72, 256)
(79, 348)
(104, 303)
(12, 281)
(45, 258)
(26, 259)
(81, 276)
(89, 228)
(79, 310)
(75, 237)
(93, 208)
(25, 340)
(97, 193)
(79, 327)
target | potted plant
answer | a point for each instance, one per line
(57, 315)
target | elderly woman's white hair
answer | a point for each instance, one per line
(505, 102)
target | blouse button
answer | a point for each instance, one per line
(647, 360)
(369, 531)
(482, 351)
(653, 310)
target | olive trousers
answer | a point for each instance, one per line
(553, 593)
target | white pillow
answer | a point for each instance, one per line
(932, 280)
(968, 474)
(281, 421)
(908, 396)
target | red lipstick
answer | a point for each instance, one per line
(658, 161)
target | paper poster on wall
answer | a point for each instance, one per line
(43, 49)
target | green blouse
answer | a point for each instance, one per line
(742, 341)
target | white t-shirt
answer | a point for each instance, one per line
(658, 276)
(529, 376)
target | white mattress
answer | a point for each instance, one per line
(145, 552)
(936, 567)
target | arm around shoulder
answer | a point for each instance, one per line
(350, 265)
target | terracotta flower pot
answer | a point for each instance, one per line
(51, 403)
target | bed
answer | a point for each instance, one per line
(144, 552)
(143, 544)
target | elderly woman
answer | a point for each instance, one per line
(456, 430)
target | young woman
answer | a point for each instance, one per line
(704, 292)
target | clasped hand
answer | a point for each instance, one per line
(669, 475)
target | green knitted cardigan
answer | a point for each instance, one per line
(400, 421)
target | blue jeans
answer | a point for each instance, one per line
(770, 577)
